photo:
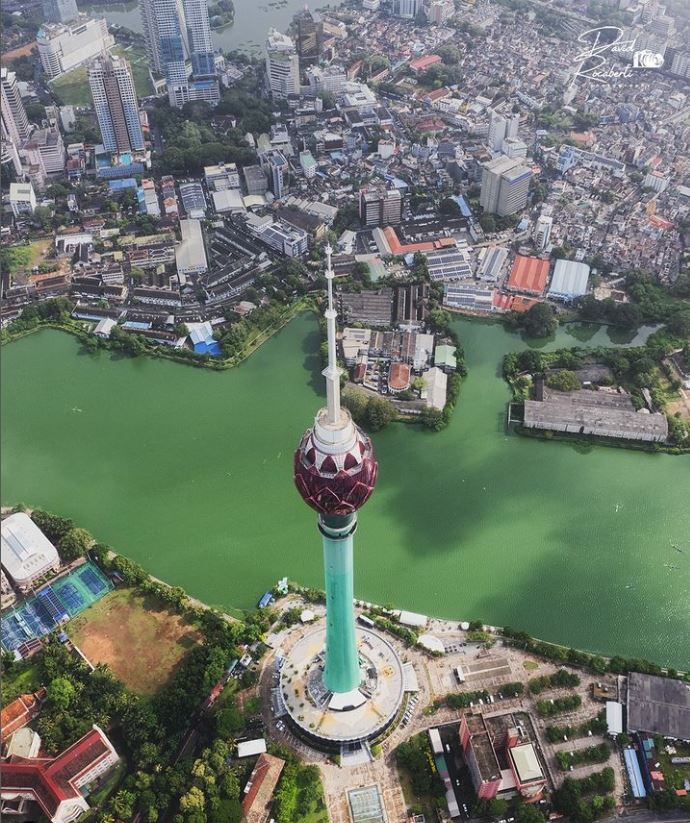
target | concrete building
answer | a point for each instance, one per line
(596, 413)
(149, 196)
(60, 11)
(656, 181)
(255, 180)
(569, 280)
(505, 185)
(115, 102)
(542, 232)
(380, 205)
(371, 308)
(439, 11)
(57, 784)
(282, 65)
(45, 147)
(15, 123)
(658, 705)
(330, 79)
(190, 255)
(62, 48)
(407, 9)
(435, 388)
(27, 554)
(308, 164)
(22, 198)
(500, 129)
(468, 296)
(513, 147)
(278, 169)
(285, 239)
(221, 177)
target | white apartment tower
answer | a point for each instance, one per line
(115, 102)
(282, 65)
(15, 123)
(505, 186)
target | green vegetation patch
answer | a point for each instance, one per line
(141, 642)
(18, 678)
(422, 786)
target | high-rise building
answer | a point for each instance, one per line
(542, 231)
(505, 185)
(63, 48)
(278, 168)
(15, 123)
(380, 206)
(282, 65)
(60, 11)
(115, 101)
(46, 149)
(177, 31)
(407, 9)
(328, 78)
(199, 38)
(308, 38)
(501, 128)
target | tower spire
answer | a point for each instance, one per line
(331, 372)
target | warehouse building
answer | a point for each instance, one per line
(448, 264)
(371, 308)
(27, 554)
(528, 275)
(658, 705)
(596, 413)
(468, 297)
(190, 255)
(569, 280)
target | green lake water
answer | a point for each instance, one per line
(189, 472)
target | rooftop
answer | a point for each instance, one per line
(26, 551)
(659, 705)
(528, 274)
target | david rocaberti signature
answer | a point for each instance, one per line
(599, 44)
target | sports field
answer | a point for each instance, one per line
(141, 641)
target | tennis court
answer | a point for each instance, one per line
(53, 605)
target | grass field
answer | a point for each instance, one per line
(141, 642)
(73, 87)
(22, 679)
(24, 258)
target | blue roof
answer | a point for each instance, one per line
(634, 773)
(465, 210)
(213, 348)
(265, 600)
(127, 183)
(135, 324)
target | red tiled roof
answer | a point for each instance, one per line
(528, 274)
(397, 247)
(52, 780)
(422, 63)
(399, 376)
(262, 782)
(19, 712)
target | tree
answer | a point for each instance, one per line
(123, 804)
(193, 800)
(60, 692)
(539, 320)
(380, 412)
(529, 814)
(488, 223)
(433, 419)
(54, 527)
(229, 721)
(563, 380)
(74, 544)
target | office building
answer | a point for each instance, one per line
(439, 11)
(222, 177)
(407, 9)
(513, 147)
(282, 65)
(501, 128)
(284, 238)
(326, 78)
(15, 123)
(22, 200)
(115, 102)
(505, 186)
(278, 169)
(46, 149)
(255, 180)
(60, 11)
(199, 38)
(542, 232)
(380, 206)
(308, 38)
(62, 48)
(308, 164)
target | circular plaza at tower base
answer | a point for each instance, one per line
(327, 720)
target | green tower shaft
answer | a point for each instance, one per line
(341, 672)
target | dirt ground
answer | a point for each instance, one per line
(141, 642)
